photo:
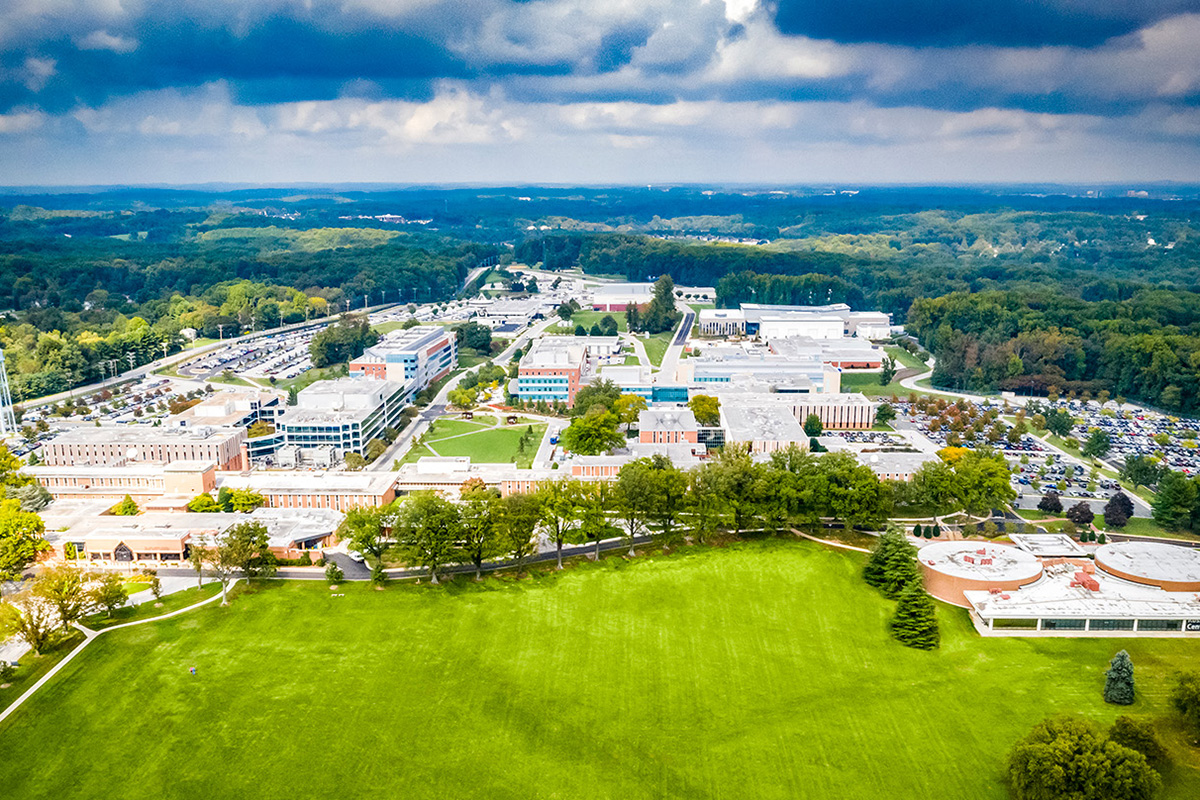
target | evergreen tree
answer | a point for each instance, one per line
(1118, 680)
(873, 570)
(899, 568)
(915, 622)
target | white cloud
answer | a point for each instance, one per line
(21, 121)
(103, 40)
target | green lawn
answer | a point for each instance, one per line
(311, 376)
(656, 346)
(34, 667)
(233, 380)
(170, 602)
(484, 444)
(759, 670)
(868, 384)
(1144, 526)
(589, 318)
(905, 358)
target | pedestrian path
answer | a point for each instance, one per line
(90, 636)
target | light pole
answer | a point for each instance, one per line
(221, 330)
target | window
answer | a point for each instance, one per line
(1063, 624)
(1111, 624)
(1159, 624)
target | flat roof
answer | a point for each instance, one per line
(1054, 597)
(667, 419)
(1048, 545)
(980, 561)
(1154, 561)
(752, 423)
(146, 434)
(294, 482)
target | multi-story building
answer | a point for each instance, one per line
(345, 414)
(619, 296)
(667, 426)
(233, 409)
(145, 483)
(729, 365)
(119, 445)
(338, 491)
(849, 411)
(422, 355)
(773, 321)
(557, 367)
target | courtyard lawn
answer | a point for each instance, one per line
(759, 670)
(479, 440)
(868, 384)
(589, 318)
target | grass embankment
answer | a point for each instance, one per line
(756, 670)
(33, 667)
(905, 358)
(148, 608)
(656, 346)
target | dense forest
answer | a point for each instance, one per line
(1023, 288)
(87, 300)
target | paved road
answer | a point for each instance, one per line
(437, 407)
(670, 360)
(180, 357)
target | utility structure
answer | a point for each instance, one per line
(8, 419)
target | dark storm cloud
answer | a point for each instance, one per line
(278, 60)
(1006, 23)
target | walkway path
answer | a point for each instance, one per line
(90, 636)
(437, 407)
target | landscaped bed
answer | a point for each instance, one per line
(758, 670)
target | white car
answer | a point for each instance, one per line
(355, 556)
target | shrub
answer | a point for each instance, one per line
(1138, 735)
(333, 573)
(1185, 696)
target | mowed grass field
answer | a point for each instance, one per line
(483, 443)
(761, 670)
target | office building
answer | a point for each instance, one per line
(557, 367)
(344, 414)
(119, 445)
(421, 355)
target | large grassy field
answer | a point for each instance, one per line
(755, 671)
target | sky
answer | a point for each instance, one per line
(599, 91)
